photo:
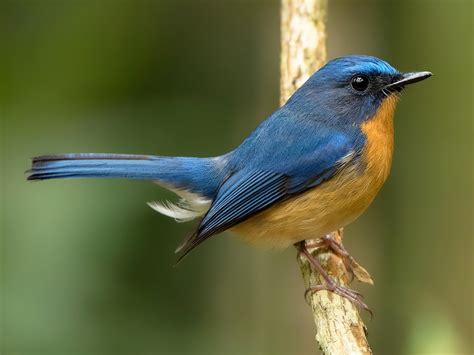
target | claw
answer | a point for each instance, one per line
(330, 285)
(338, 249)
(353, 296)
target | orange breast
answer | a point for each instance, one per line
(335, 203)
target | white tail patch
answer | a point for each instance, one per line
(188, 208)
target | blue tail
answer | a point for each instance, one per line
(199, 175)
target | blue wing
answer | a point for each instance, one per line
(242, 195)
(270, 168)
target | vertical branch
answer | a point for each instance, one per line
(340, 329)
(303, 42)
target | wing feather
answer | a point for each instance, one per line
(242, 195)
(270, 176)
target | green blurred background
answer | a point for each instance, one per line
(87, 266)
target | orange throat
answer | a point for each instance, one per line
(379, 132)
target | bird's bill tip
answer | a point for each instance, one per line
(414, 77)
(410, 78)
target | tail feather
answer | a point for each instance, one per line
(200, 176)
(95, 165)
(195, 180)
(92, 156)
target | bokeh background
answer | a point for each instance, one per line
(87, 266)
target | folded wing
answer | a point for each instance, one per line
(250, 191)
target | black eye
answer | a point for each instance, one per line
(360, 82)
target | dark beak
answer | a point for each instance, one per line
(409, 78)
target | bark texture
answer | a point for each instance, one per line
(339, 327)
(303, 42)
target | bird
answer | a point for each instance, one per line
(313, 166)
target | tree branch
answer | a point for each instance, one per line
(340, 329)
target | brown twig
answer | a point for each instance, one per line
(340, 329)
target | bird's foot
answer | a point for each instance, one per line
(353, 296)
(337, 248)
(330, 285)
(351, 265)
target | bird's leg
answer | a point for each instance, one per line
(330, 285)
(337, 248)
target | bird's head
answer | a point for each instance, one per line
(350, 89)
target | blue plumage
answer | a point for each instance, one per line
(197, 175)
(300, 146)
